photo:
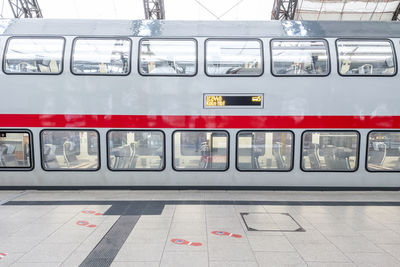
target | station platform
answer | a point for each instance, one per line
(199, 228)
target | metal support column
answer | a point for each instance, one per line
(25, 8)
(154, 9)
(284, 9)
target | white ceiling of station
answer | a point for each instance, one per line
(364, 10)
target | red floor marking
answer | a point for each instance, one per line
(227, 234)
(185, 242)
(2, 255)
(89, 212)
(92, 212)
(82, 223)
(85, 223)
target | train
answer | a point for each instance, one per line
(199, 104)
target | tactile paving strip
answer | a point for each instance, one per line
(108, 247)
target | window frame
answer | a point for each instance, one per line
(200, 170)
(264, 170)
(366, 153)
(342, 131)
(31, 147)
(135, 170)
(328, 53)
(366, 39)
(168, 39)
(235, 39)
(69, 130)
(33, 37)
(100, 38)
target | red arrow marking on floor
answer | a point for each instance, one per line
(185, 242)
(226, 234)
(97, 214)
(2, 255)
(91, 226)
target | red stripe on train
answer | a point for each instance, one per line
(212, 122)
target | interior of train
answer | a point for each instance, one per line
(136, 150)
(70, 150)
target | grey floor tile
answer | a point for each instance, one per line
(373, 259)
(11, 257)
(140, 252)
(18, 244)
(183, 228)
(140, 236)
(309, 237)
(49, 253)
(221, 222)
(392, 249)
(382, 236)
(76, 258)
(354, 244)
(189, 217)
(35, 264)
(331, 264)
(233, 264)
(233, 252)
(320, 252)
(69, 236)
(183, 259)
(190, 209)
(135, 264)
(279, 259)
(270, 243)
(341, 229)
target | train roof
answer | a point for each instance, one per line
(169, 28)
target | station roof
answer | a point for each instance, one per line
(355, 10)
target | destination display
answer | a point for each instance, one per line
(245, 101)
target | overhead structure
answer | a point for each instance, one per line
(284, 9)
(154, 9)
(364, 10)
(25, 8)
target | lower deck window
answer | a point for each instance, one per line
(330, 151)
(383, 151)
(136, 150)
(264, 151)
(70, 150)
(15, 150)
(200, 150)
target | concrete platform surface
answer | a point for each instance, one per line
(199, 228)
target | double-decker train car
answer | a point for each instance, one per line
(91, 103)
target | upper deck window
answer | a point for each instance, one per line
(299, 58)
(34, 55)
(105, 56)
(168, 57)
(366, 57)
(234, 57)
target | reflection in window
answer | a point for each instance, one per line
(264, 151)
(34, 55)
(233, 57)
(70, 150)
(365, 57)
(330, 151)
(15, 150)
(383, 151)
(299, 58)
(101, 56)
(200, 150)
(136, 150)
(168, 57)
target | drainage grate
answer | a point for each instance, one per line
(271, 222)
